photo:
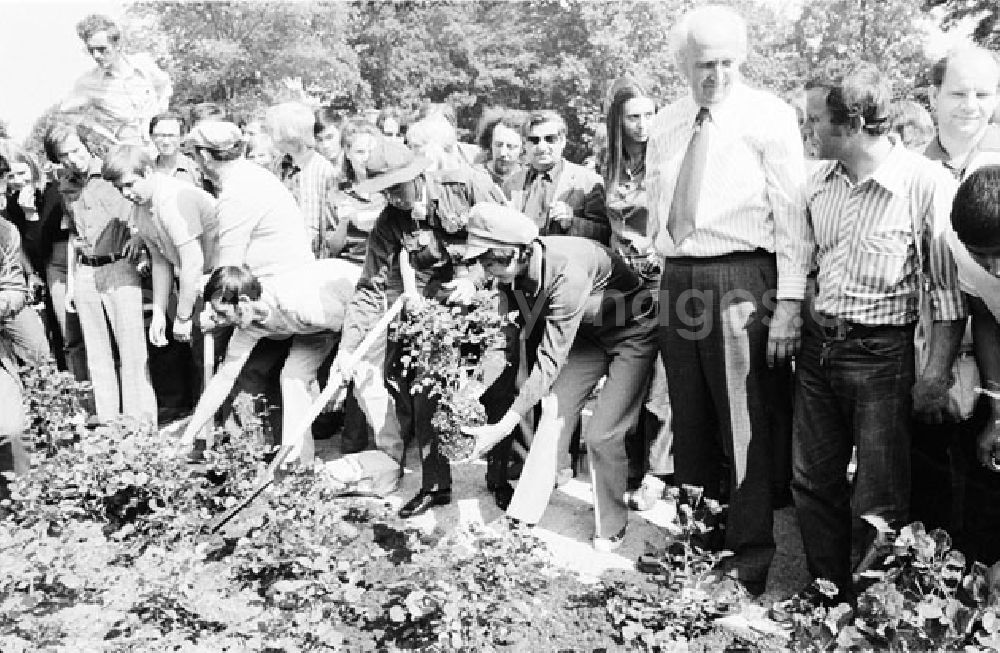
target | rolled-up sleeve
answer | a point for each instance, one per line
(947, 301)
(785, 177)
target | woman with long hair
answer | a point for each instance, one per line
(629, 117)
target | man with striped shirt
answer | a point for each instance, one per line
(726, 180)
(878, 213)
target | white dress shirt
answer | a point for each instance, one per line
(753, 189)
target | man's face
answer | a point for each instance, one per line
(102, 49)
(167, 137)
(328, 143)
(137, 189)
(227, 314)
(505, 147)
(827, 139)
(637, 116)
(545, 145)
(19, 175)
(501, 264)
(73, 155)
(968, 96)
(711, 65)
(359, 151)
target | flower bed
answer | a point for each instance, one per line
(103, 548)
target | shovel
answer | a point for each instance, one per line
(337, 380)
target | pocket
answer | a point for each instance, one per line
(884, 346)
(881, 264)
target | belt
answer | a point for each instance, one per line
(98, 261)
(836, 328)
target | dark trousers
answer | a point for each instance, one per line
(714, 313)
(260, 376)
(852, 392)
(414, 411)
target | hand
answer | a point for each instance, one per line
(930, 398)
(133, 249)
(206, 321)
(785, 332)
(561, 213)
(462, 291)
(987, 446)
(68, 302)
(36, 285)
(158, 328)
(182, 329)
(26, 198)
(489, 435)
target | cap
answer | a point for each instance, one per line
(214, 135)
(390, 163)
(495, 225)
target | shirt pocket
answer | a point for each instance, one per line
(882, 263)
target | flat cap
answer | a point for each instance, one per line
(214, 135)
(495, 225)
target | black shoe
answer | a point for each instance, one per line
(502, 494)
(424, 501)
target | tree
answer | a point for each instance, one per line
(984, 12)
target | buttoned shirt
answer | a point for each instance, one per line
(101, 217)
(753, 188)
(260, 225)
(178, 214)
(130, 94)
(312, 180)
(865, 232)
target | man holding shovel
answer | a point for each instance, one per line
(306, 305)
(587, 311)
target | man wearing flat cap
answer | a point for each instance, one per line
(260, 226)
(420, 233)
(585, 314)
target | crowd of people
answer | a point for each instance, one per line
(765, 298)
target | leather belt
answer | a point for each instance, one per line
(835, 328)
(98, 261)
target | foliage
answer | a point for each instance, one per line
(919, 597)
(984, 12)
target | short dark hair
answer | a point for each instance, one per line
(95, 23)
(58, 134)
(206, 111)
(327, 117)
(862, 101)
(168, 115)
(125, 159)
(975, 211)
(542, 117)
(229, 282)
(500, 116)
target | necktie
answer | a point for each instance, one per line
(535, 204)
(684, 206)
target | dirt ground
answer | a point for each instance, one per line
(568, 524)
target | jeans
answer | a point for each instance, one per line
(853, 392)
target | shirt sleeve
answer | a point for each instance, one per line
(590, 220)
(947, 301)
(785, 178)
(562, 314)
(181, 218)
(371, 296)
(236, 225)
(13, 289)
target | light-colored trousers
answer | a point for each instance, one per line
(109, 303)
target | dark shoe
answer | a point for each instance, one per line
(424, 501)
(502, 494)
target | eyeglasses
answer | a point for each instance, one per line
(97, 49)
(549, 138)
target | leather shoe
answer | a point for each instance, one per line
(502, 494)
(424, 501)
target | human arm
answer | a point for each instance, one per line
(70, 274)
(986, 347)
(192, 263)
(590, 217)
(237, 353)
(163, 277)
(13, 289)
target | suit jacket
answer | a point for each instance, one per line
(581, 188)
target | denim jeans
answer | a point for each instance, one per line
(853, 392)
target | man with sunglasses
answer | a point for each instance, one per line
(125, 89)
(560, 197)
(583, 315)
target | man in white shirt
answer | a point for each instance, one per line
(726, 176)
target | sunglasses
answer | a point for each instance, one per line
(549, 138)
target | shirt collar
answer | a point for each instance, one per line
(891, 173)
(552, 172)
(722, 113)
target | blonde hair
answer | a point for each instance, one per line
(291, 122)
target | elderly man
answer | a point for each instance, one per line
(964, 97)
(260, 226)
(878, 212)
(727, 210)
(561, 197)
